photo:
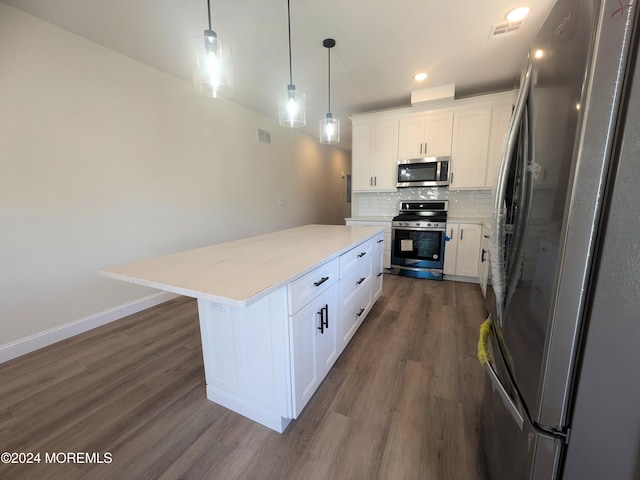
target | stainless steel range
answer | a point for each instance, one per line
(417, 239)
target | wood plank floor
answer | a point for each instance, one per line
(402, 401)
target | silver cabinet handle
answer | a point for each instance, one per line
(421, 149)
(461, 233)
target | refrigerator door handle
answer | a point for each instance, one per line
(485, 360)
(516, 258)
(498, 270)
(506, 399)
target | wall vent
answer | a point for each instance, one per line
(264, 136)
(500, 29)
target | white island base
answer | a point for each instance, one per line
(275, 310)
(246, 358)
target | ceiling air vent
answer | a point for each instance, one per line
(500, 29)
(264, 136)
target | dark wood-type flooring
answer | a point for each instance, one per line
(401, 402)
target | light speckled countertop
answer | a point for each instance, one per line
(479, 220)
(242, 271)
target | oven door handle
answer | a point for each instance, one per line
(421, 229)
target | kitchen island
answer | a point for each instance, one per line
(275, 310)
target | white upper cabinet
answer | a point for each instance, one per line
(374, 155)
(500, 118)
(471, 130)
(426, 135)
(470, 148)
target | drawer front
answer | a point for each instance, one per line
(356, 256)
(355, 282)
(309, 286)
(352, 315)
(379, 241)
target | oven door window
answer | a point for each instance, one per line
(418, 245)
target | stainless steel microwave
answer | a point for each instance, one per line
(423, 172)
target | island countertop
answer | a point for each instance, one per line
(241, 272)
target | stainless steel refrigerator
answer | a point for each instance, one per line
(562, 346)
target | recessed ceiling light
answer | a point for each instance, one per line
(420, 76)
(539, 53)
(517, 14)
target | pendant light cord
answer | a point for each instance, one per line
(329, 80)
(289, 22)
(209, 12)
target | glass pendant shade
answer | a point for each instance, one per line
(329, 126)
(291, 108)
(212, 73)
(329, 130)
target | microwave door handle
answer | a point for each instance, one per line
(498, 271)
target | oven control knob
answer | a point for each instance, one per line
(417, 224)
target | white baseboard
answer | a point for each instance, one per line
(34, 342)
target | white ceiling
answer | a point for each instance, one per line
(380, 45)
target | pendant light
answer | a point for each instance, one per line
(329, 126)
(291, 109)
(212, 75)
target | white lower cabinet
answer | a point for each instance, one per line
(265, 359)
(352, 315)
(462, 251)
(314, 331)
(322, 324)
(384, 240)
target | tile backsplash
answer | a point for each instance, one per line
(462, 203)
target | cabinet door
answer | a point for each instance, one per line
(327, 338)
(315, 345)
(438, 130)
(305, 359)
(411, 137)
(425, 136)
(451, 249)
(362, 156)
(500, 118)
(385, 145)
(468, 255)
(470, 148)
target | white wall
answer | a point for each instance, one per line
(104, 160)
